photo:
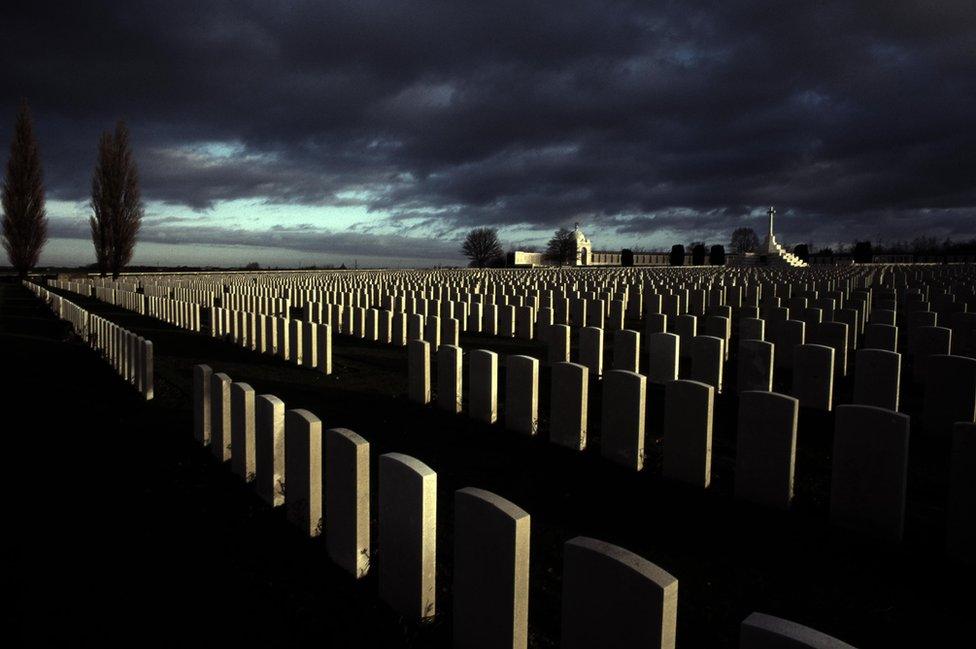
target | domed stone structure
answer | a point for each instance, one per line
(583, 254)
(584, 249)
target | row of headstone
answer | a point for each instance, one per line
(522, 384)
(869, 467)
(871, 443)
(824, 287)
(128, 353)
(304, 343)
(812, 384)
(183, 314)
(788, 309)
(689, 406)
(611, 597)
(290, 462)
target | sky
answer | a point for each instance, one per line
(379, 133)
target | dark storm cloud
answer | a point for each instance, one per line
(304, 237)
(852, 117)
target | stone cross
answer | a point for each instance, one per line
(772, 213)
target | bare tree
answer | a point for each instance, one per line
(924, 244)
(562, 247)
(116, 203)
(744, 240)
(482, 247)
(24, 220)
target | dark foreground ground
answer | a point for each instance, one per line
(125, 532)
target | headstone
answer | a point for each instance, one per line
(812, 317)
(591, 349)
(220, 416)
(242, 430)
(506, 321)
(407, 529)
(146, 367)
(296, 341)
(752, 329)
(662, 357)
(950, 393)
(398, 333)
(359, 321)
(415, 327)
(927, 342)
(652, 304)
(869, 471)
(310, 343)
(707, 360)
(449, 378)
(852, 319)
(385, 327)
(545, 319)
(766, 448)
(419, 371)
(877, 378)
(614, 599)
(655, 323)
(558, 344)
(883, 316)
(685, 327)
(347, 500)
(432, 332)
(626, 350)
(372, 325)
(569, 402)
(881, 336)
(622, 418)
(522, 394)
(262, 333)
(490, 324)
(915, 321)
(786, 335)
(491, 571)
(595, 313)
(834, 335)
(270, 335)
(688, 411)
(483, 390)
(963, 327)
(755, 365)
(615, 321)
(720, 327)
(323, 348)
(201, 403)
(450, 331)
(303, 471)
(269, 448)
(525, 323)
(813, 376)
(761, 631)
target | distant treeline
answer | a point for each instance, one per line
(918, 246)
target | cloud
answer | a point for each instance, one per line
(305, 237)
(640, 117)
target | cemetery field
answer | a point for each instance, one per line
(123, 532)
(128, 519)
